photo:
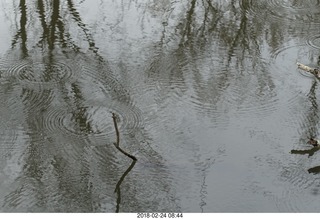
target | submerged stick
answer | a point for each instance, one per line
(314, 71)
(117, 144)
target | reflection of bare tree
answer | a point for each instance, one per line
(71, 181)
(203, 34)
(313, 116)
(203, 28)
(22, 32)
(216, 49)
(118, 189)
(82, 26)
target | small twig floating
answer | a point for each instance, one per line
(316, 147)
(314, 71)
(117, 144)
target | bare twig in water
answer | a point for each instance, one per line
(118, 138)
(311, 151)
(314, 71)
(134, 160)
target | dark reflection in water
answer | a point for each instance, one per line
(68, 161)
(118, 186)
(310, 152)
(22, 32)
(314, 170)
(313, 116)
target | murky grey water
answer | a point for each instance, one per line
(206, 94)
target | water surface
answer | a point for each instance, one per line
(206, 95)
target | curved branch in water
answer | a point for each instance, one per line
(118, 139)
(134, 160)
(117, 189)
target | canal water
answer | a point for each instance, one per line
(205, 95)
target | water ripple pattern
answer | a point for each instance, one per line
(38, 73)
(294, 177)
(102, 76)
(293, 11)
(92, 120)
(36, 101)
(314, 41)
(230, 91)
(56, 108)
(90, 91)
(295, 89)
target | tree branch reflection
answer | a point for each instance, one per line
(118, 189)
(71, 183)
(134, 159)
(22, 32)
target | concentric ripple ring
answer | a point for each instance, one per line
(40, 73)
(94, 121)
